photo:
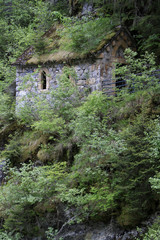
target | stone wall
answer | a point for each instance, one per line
(27, 78)
(92, 74)
(88, 76)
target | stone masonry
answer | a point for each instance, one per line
(93, 73)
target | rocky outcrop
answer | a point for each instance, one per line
(102, 231)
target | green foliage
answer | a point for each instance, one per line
(21, 38)
(7, 76)
(25, 188)
(155, 182)
(148, 37)
(85, 35)
(92, 111)
(49, 124)
(138, 73)
(6, 236)
(136, 164)
(125, 158)
(6, 109)
(96, 104)
(113, 170)
(153, 231)
(51, 234)
(22, 24)
(66, 96)
(90, 192)
(51, 110)
(12, 151)
(112, 165)
(39, 45)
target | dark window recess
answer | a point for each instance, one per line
(44, 80)
(120, 82)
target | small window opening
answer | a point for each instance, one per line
(44, 80)
(120, 82)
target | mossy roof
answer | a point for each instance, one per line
(53, 52)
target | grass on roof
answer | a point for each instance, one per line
(73, 41)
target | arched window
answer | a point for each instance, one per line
(43, 80)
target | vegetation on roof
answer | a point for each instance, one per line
(73, 40)
(86, 34)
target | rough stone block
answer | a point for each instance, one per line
(77, 68)
(80, 88)
(81, 82)
(22, 93)
(92, 67)
(113, 43)
(95, 74)
(92, 81)
(86, 71)
(108, 49)
(101, 55)
(81, 72)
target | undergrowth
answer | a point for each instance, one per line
(91, 158)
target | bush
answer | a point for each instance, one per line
(25, 188)
(138, 73)
(6, 109)
(153, 231)
(9, 236)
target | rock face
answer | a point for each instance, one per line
(102, 231)
(96, 231)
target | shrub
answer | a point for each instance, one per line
(6, 109)
(138, 73)
(25, 188)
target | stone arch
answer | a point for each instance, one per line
(44, 79)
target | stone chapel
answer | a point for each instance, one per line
(94, 70)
